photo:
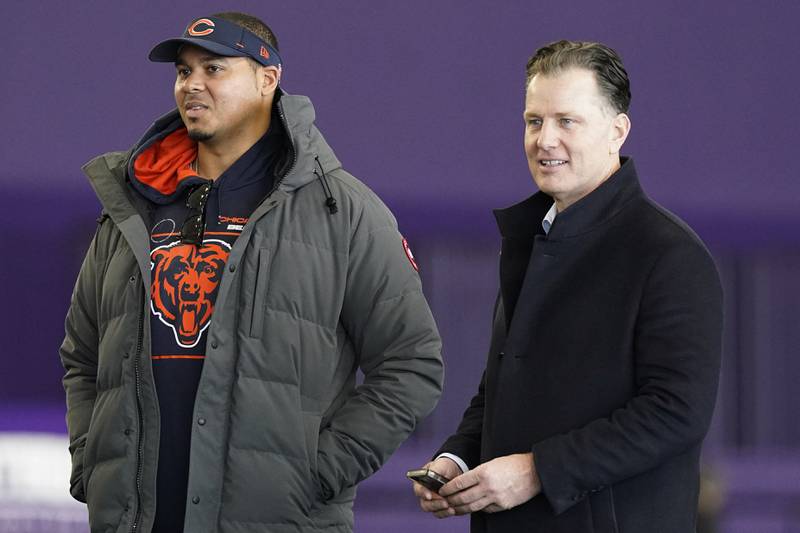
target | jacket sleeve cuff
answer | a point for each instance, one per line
(76, 485)
(557, 489)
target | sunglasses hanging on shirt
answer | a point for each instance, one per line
(194, 225)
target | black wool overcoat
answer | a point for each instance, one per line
(604, 362)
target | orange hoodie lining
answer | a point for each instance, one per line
(165, 163)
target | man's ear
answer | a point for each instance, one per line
(269, 78)
(618, 132)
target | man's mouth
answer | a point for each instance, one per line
(552, 162)
(194, 109)
(194, 105)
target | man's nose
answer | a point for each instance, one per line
(548, 136)
(193, 83)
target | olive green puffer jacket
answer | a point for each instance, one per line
(283, 432)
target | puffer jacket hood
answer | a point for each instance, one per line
(169, 152)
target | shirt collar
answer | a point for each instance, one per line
(549, 218)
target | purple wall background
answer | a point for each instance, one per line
(423, 101)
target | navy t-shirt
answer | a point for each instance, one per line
(185, 280)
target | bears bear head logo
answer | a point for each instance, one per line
(185, 283)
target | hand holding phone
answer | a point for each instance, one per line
(427, 478)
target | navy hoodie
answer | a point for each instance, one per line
(185, 279)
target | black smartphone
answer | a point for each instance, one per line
(427, 478)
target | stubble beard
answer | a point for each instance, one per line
(200, 135)
(195, 130)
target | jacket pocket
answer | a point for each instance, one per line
(260, 294)
(604, 516)
(311, 424)
(89, 454)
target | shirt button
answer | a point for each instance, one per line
(128, 431)
(201, 421)
(195, 500)
(232, 267)
(214, 344)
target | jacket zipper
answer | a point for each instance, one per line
(294, 147)
(140, 340)
(140, 446)
(294, 155)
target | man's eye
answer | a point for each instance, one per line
(567, 122)
(535, 122)
(214, 68)
(183, 72)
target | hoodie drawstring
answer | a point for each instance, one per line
(330, 201)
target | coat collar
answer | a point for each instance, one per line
(108, 173)
(523, 220)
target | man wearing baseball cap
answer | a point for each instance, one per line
(237, 279)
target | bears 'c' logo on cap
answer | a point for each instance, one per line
(197, 30)
(264, 52)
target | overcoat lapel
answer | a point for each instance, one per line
(533, 265)
(519, 230)
(532, 296)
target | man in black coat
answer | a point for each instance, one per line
(603, 367)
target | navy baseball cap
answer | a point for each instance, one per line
(221, 37)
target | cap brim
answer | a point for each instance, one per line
(167, 51)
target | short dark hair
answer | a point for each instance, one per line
(251, 23)
(598, 58)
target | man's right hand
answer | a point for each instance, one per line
(429, 501)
